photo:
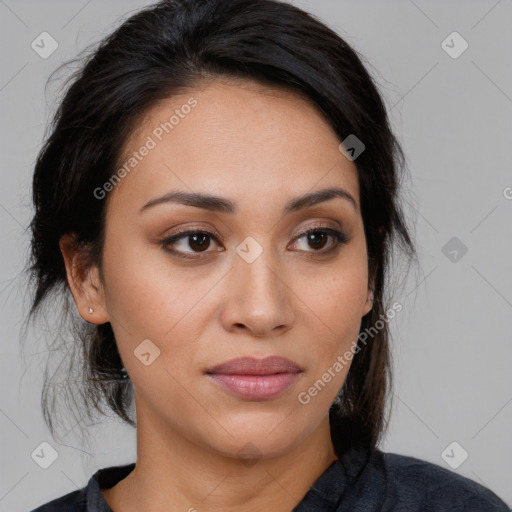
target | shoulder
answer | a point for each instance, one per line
(90, 497)
(418, 481)
(370, 480)
(71, 502)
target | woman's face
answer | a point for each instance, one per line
(246, 282)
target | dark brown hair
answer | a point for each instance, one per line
(159, 52)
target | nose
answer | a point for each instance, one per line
(257, 300)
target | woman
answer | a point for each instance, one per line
(219, 194)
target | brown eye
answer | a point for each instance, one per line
(198, 242)
(317, 238)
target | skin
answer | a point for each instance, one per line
(258, 147)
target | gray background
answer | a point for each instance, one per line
(452, 341)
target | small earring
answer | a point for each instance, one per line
(91, 311)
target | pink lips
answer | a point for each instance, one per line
(256, 379)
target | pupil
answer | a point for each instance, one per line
(315, 234)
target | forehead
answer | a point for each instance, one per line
(237, 139)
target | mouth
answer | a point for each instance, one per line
(255, 379)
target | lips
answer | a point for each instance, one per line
(251, 366)
(255, 379)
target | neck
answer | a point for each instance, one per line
(172, 473)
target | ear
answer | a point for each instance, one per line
(368, 304)
(84, 281)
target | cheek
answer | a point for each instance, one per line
(143, 297)
(338, 306)
(149, 299)
(334, 334)
(341, 299)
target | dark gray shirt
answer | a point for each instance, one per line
(361, 481)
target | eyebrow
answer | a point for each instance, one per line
(223, 205)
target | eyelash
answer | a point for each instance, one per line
(339, 239)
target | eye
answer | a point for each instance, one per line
(199, 241)
(318, 236)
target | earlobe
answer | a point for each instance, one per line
(83, 281)
(369, 304)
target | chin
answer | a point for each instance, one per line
(256, 437)
(250, 449)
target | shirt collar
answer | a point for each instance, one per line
(104, 479)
